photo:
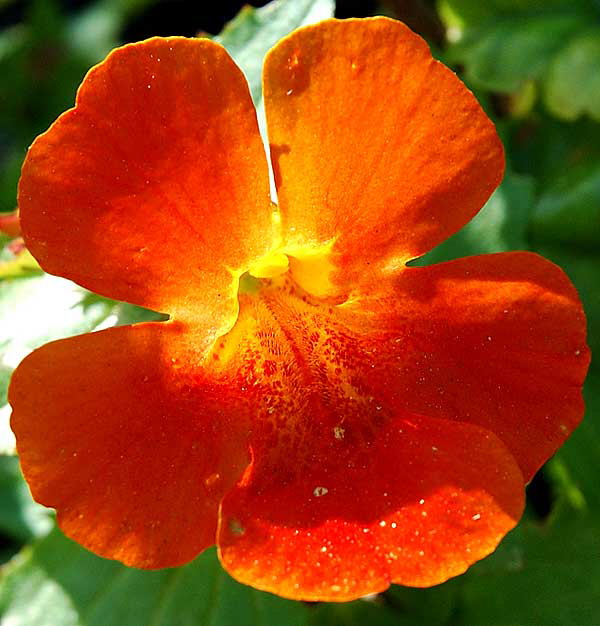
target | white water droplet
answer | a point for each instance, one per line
(338, 432)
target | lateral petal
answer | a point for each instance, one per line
(498, 341)
(123, 432)
(376, 146)
(154, 188)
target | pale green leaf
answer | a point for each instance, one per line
(572, 85)
(56, 582)
(250, 35)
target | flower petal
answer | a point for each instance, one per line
(428, 498)
(498, 341)
(123, 433)
(330, 459)
(405, 154)
(155, 185)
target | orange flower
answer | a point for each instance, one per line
(333, 419)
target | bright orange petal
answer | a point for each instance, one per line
(123, 433)
(374, 144)
(416, 506)
(498, 341)
(330, 459)
(156, 184)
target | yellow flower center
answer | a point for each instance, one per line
(271, 265)
(310, 267)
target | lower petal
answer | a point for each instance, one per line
(419, 505)
(124, 434)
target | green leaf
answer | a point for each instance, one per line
(20, 517)
(506, 52)
(250, 35)
(96, 29)
(553, 150)
(574, 466)
(568, 210)
(500, 225)
(573, 81)
(359, 613)
(505, 44)
(540, 575)
(476, 12)
(56, 582)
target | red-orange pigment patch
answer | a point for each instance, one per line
(333, 505)
(498, 341)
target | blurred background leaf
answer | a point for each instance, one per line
(504, 44)
(250, 35)
(56, 582)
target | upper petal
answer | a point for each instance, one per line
(123, 432)
(154, 188)
(375, 146)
